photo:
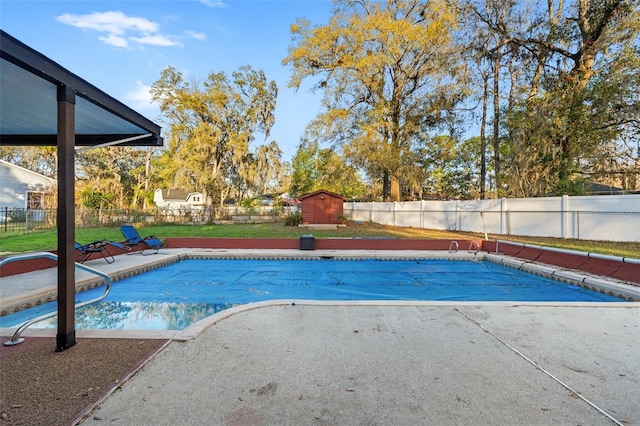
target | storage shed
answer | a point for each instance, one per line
(322, 207)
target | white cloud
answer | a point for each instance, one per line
(140, 97)
(121, 29)
(213, 3)
(156, 40)
(197, 36)
(115, 40)
(111, 22)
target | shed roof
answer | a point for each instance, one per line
(333, 194)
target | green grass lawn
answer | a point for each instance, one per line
(18, 242)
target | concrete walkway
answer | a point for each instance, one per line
(390, 364)
(394, 365)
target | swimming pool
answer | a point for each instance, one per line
(177, 295)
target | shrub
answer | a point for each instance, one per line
(343, 219)
(17, 215)
(293, 219)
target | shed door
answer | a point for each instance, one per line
(322, 210)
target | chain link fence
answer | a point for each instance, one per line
(26, 220)
(581, 225)
(616, 226)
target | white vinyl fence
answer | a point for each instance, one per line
(608, 218)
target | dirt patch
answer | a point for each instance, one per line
(41, 386)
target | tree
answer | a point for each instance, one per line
(388, 71)
(212, 125)
(259, 172)
(39, 159)
(498, 64)
(315, 168)
(560, 62)
(615, 99)
(571, 109)
(111, 177)
(450, 168)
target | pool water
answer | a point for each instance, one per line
(175, 296)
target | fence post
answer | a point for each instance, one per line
(564, 222)
(503, 203)
(6, 218)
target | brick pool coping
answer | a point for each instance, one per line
(624, 269)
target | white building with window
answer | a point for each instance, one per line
(175, 201)
(23, 189)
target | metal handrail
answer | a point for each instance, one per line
(453, 243)
(15, 339)
(474, 243)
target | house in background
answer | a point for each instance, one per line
(176, 201)
(23, 189)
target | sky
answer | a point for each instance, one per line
(121, 47)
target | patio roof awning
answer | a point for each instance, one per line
(29, 82)
(42, 103)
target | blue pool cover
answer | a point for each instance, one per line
(175, 296)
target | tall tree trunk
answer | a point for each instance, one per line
(483, 138)
(395, 187)
(386, 186)
(496, 122)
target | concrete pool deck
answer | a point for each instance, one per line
(384, 363)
